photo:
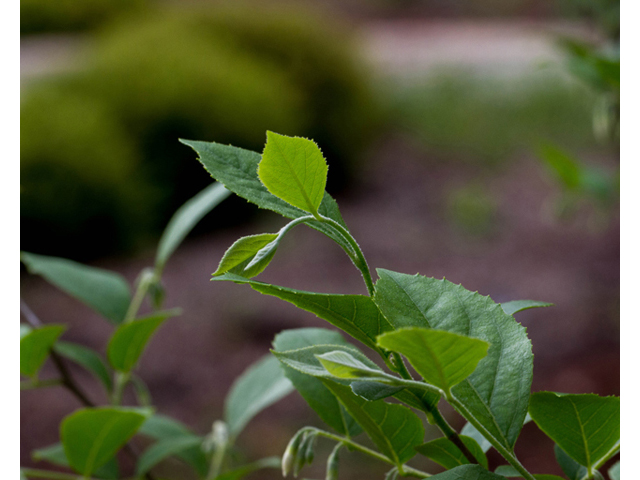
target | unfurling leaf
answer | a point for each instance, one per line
(238, 256)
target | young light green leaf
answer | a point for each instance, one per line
(444, 452)
(35, 348)
(570, 467)
(92, 436)
(394, 429)
(161, 428)
(106, 292)
(237, 169)
(24, 329)
(342, 365)
(243, 471)
(586, 427)
(511, 308)
(497, 392)
(129, 340)
(294, 170)
(261, 385)
(442, 358)
(55, 455)
(467, 472)
(238, 255)
(614, 471)
(185, 218)
(319, 398)
(87, 358)
(164, 449)
(356, 315)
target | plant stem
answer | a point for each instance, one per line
(359, 260)
(367, 451)
(120, 381)
(145, 280)
(508, 455)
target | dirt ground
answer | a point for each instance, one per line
(397, 213)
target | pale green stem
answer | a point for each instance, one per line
(146, 278)
(120, 381)
(508, 455)
(404, 469)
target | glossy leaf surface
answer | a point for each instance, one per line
(442, 358)
(241, 253)
(294, 170)
(186, 217)
(106, 292)
(319, 397)
(511, 308)
(497, 393)
(86, 358)
(586, 426)
(129, 340)
(92, 436)
(261, 385)
(35, 347)
(445, 453)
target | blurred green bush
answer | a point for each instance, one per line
(39, 16)
(225, 74)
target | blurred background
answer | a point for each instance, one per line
(473, 140)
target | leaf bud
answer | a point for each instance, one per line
(333, 462)
(291, 453)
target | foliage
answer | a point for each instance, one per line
(466, 349)
(288, 70)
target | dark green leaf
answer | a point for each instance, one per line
(92, 436)
(237, 169)
(319, 398)
(129, 340)
(467, 472)
(261, 385)
(294, 170)
(106, 292)
(87, 358)
(442, 358)
(497, 392)
(240, 254)
(586, 427)
(511, 308)
(444, 452)
(356, 315)
(243, 471)
(373, 390)
(163, 428)
(164, 449)
(55, 455)
(394, 429)
(570, 467)
(614, 472)
(35, 347)
(185, 218)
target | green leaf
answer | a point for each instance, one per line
(470, 431)
(164, 449)
(614, 471)
(185, 218)
(570, 467)
(509, 471)
(511, 308)
(55, 455)
(444, 452)
(237, 169)
(467, 472)
(238, 255)
(92, 436)
(497, 392)
(356, 315)
(394, 429)
(342, 365)
(129, 340)
(243, 471)
(35, 348)
(294, 170)
(373, 390)
(586, 427)
(106, 292)
(319, 397)
(442, 358)
(160, 427)
(87, 358)
(261, 385)
(24, 329)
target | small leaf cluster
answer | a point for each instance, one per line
(466, 349)
(92, 437)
